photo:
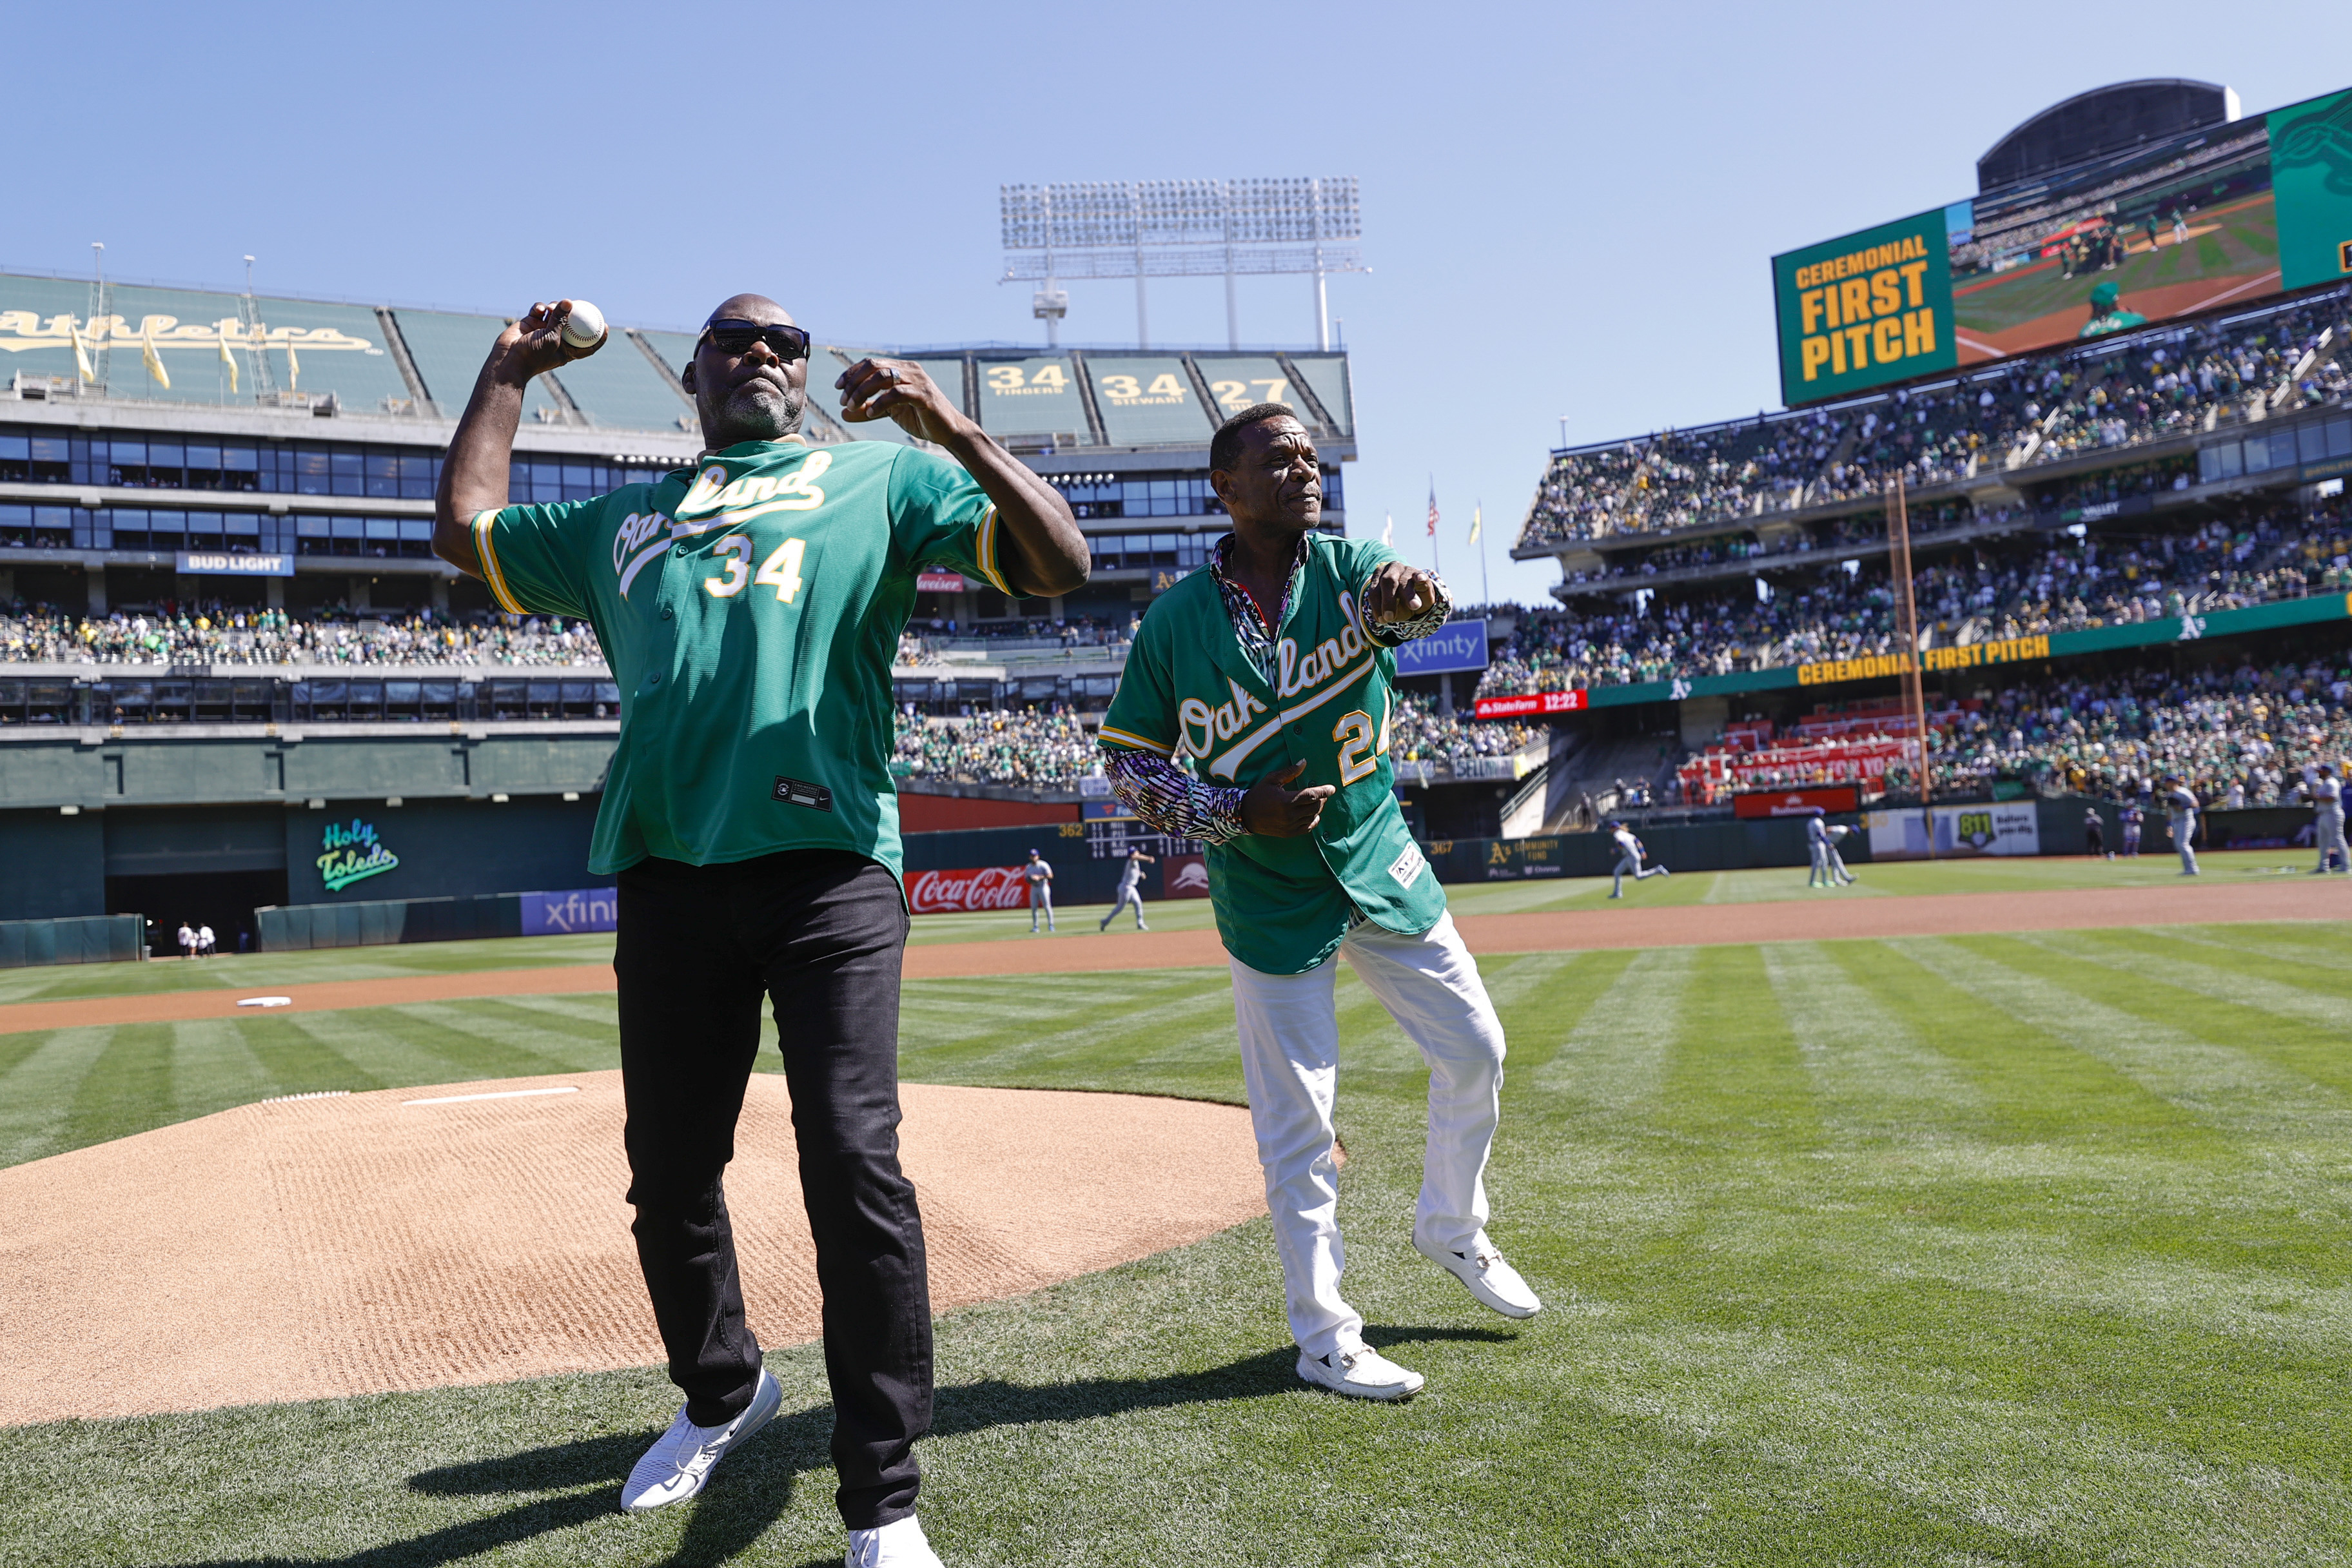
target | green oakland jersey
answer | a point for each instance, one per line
(751, 609)
(1189, 694)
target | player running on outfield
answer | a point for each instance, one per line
(1130, 890)
(1628, 859)
(751, 605)
(1254, 713)
(1039, 875)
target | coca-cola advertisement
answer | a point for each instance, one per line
(953, 893)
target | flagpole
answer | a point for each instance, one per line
(1477, 532)
(1435, 568)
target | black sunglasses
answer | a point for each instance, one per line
(737, 338)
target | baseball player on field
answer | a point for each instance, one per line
(1254, 713)
(1839, 875)
(1817, 847)
(751, 605)
(2325, 792)
(1628, 859)
(2132, 817)
(1130, 890)
(2181, 808)
(1039, 874)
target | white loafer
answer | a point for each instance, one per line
(1359, 1371)
(682, 1458)
(898, 1544)
(1496, 1284)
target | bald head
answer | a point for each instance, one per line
(757, 308)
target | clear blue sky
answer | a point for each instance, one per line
(1568, 209)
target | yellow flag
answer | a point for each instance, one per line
(81, 356)
(293, 369)
(228, 358)
(1474, 522)
(154, 360)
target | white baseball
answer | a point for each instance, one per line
(584, 327)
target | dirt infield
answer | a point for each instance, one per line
(311, 1248)
(1635, 925)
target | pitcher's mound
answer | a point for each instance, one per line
(417, 1238)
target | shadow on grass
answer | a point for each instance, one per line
(752, 1488)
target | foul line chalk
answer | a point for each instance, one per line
(266, 1002)
(502, 1094)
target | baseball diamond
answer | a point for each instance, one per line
(1783, 1004)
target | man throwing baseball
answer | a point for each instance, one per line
(1254, 713)
(749, 605)
(1130, 890)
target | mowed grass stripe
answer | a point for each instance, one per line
(1614, 1054)
(2037, 1087)
(2247, 1063)
(1873, 1076)
(127, 1088)
(2226, 1088)
(37, 1095)
(1737, 1082)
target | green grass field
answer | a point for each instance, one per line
(254, 972)
(1958, 1251)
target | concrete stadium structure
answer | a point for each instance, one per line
(286, 459)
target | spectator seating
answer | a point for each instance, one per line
(2122, 390)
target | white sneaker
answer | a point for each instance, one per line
(1496, 1283)
(1363, 1371)
(898, 1544)
(675, 1468)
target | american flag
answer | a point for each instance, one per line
(1433, 509)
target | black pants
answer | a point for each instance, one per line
(823, 932)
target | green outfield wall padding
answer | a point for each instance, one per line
(90, 939)
(384, 922)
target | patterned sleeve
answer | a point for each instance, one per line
(1171, 800)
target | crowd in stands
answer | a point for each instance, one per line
(213, 633)
(1417, 733)
(1050, 747)
(2106, 578)
(2235, 737)
(1043, 748)
(2125, 391)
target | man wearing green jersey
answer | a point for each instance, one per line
(1275, 668)
(2107, 314)
(750, 606)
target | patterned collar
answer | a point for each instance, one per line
(1254, 636)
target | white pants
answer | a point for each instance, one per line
(1837, 864)
(1627, 866)
(2328, 822)
(1821, 853)
(1290, 1057)
(1041, 896)
(2184, 838)
(1128, 893)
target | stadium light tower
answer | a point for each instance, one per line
(1180, 228)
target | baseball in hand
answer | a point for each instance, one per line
(584, 327)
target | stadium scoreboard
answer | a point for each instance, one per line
(2223, 215)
